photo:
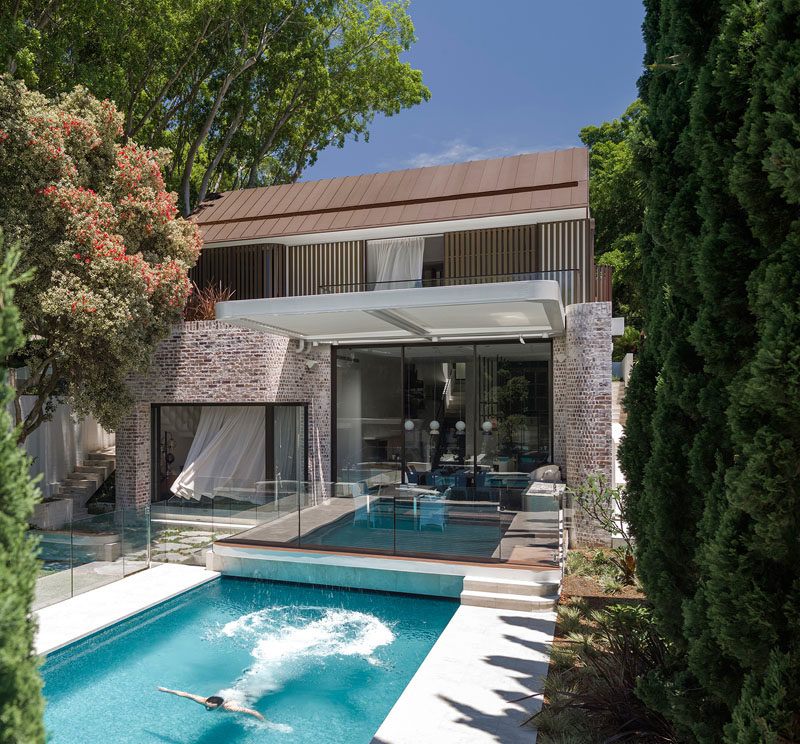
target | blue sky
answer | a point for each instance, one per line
(506, 77)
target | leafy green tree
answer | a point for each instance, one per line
(94, 220)
(243, 93)
(617, 202)
(21, 703)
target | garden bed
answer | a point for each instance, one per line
(604, 641)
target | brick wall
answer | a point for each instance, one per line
(212, 362)
(582, 442)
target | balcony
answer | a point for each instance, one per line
(570, 282)
(492, 307)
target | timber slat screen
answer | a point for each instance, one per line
(568, 245)
(251, 271)
(339, 266)
(495, 252)
(602, 283)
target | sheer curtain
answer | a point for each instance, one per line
(289, 443)
(394, 260)
(227, 450)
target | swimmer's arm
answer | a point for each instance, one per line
(189, 695)
(236, 708)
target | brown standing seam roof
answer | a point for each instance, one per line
(481, 188)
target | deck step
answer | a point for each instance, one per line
(501, 601)
(509, 586)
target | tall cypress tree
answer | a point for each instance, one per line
(754, 586)
(21, 703)
(664, 390)
(719, 378)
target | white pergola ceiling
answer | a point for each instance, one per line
(502, 310)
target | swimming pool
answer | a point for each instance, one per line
(395, 525)
(322, 665)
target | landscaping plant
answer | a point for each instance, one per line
(244, 93)
(605, 506)
(93, 218)
(596, 668)
(202, 303)
(21, 703)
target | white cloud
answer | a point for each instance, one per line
(458, 151)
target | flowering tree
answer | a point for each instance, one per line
(109, 254)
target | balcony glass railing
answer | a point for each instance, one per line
(568, 279)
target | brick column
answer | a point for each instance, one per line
(560, 403)
(133, 458)
(587, 398)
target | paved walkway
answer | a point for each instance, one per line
(75, 618)
(464, 692)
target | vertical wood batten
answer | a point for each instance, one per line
(311, 267)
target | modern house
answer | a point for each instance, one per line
(441, 328)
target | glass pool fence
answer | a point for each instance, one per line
(495, 524)
(86, 553)
(492, 524)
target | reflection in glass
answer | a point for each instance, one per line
(290, 443)
(439, 399)
(369, 427)
(514, 409)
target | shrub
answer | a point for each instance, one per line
(202, 303)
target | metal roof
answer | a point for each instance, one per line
(521, 184)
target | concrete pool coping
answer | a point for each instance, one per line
(402, 575)
(85, 614)
(468, 689)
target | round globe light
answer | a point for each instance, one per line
(409, 425)
(486, 426)
(434, 426)
(460, 425)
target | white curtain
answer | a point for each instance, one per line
(395, 260)
(227, 452)
(61, 444)
(289, 445)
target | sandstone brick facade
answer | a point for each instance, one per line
(212, 362)
(582, 442)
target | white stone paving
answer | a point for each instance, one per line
(464, 691)
(68, 621)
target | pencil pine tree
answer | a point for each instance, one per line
(712, 451)
(21, 703)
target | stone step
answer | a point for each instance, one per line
(97, 468)
(509, 586)
(84, 476)
(81, 483)
(503, 601)
(98, 456)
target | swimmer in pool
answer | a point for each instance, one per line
(214, 702)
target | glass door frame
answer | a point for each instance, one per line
(269, 435)
(476, 424)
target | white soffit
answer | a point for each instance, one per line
(422, 228)
(530, 309)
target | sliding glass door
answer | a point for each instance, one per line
(201, 451)
(290, 455)
(439, 411)
(438, 415)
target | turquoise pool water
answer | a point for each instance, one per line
(322, 665)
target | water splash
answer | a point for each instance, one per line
(285, 639)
